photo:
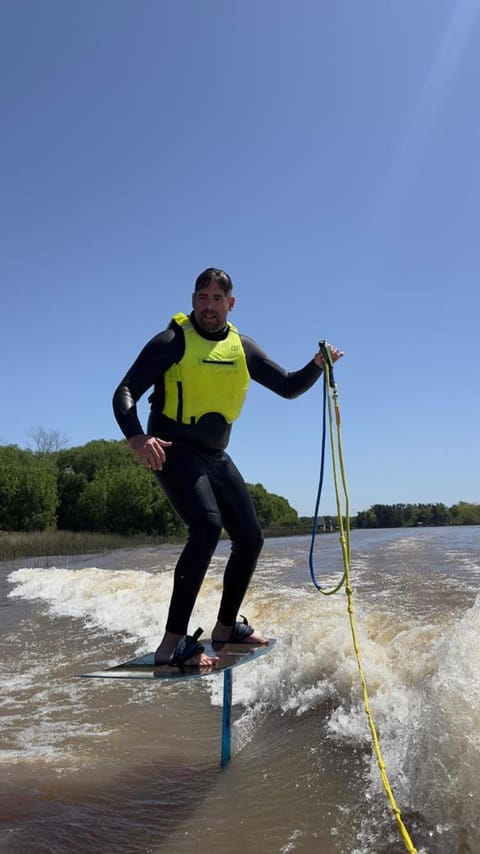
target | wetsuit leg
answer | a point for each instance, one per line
(185, 480)
(241, 523)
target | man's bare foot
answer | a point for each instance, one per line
(164, 653)
(226, 634)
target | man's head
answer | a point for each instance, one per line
(212, 299)
(213, 274)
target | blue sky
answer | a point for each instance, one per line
(324, 153)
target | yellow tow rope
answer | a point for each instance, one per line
(344, 529)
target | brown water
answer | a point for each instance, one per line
(120, 766)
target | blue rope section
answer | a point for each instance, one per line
(320, 485)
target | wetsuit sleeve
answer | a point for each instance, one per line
(266, 372)
(148, 369)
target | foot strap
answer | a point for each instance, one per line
(241, 631)
(186, 648)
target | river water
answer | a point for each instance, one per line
(128, 766)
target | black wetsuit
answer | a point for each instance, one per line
(199, 478)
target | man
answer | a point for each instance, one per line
(200, 368)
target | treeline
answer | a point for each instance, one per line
(414, 515)
(100, 487)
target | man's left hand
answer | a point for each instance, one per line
(335, 355)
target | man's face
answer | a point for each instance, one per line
(211, 306)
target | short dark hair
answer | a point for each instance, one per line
(222, 279)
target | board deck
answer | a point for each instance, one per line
(230, 656)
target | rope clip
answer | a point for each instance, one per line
(325, 351)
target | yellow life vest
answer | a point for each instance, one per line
(211, 376)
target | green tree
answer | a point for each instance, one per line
(465, 513)
(441, 514)
(92, 503)
(389, 515)
(272, 510)
(71, 485)
(135, 503)
(366, 519)
(28, 490)
(88, 459)
(104, 488)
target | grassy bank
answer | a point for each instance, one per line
(19, 544)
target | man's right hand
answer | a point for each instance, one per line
(150, 450)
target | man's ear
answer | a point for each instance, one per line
(231, 303)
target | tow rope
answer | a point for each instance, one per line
(330, 396)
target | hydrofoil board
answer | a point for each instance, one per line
(230, 655)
